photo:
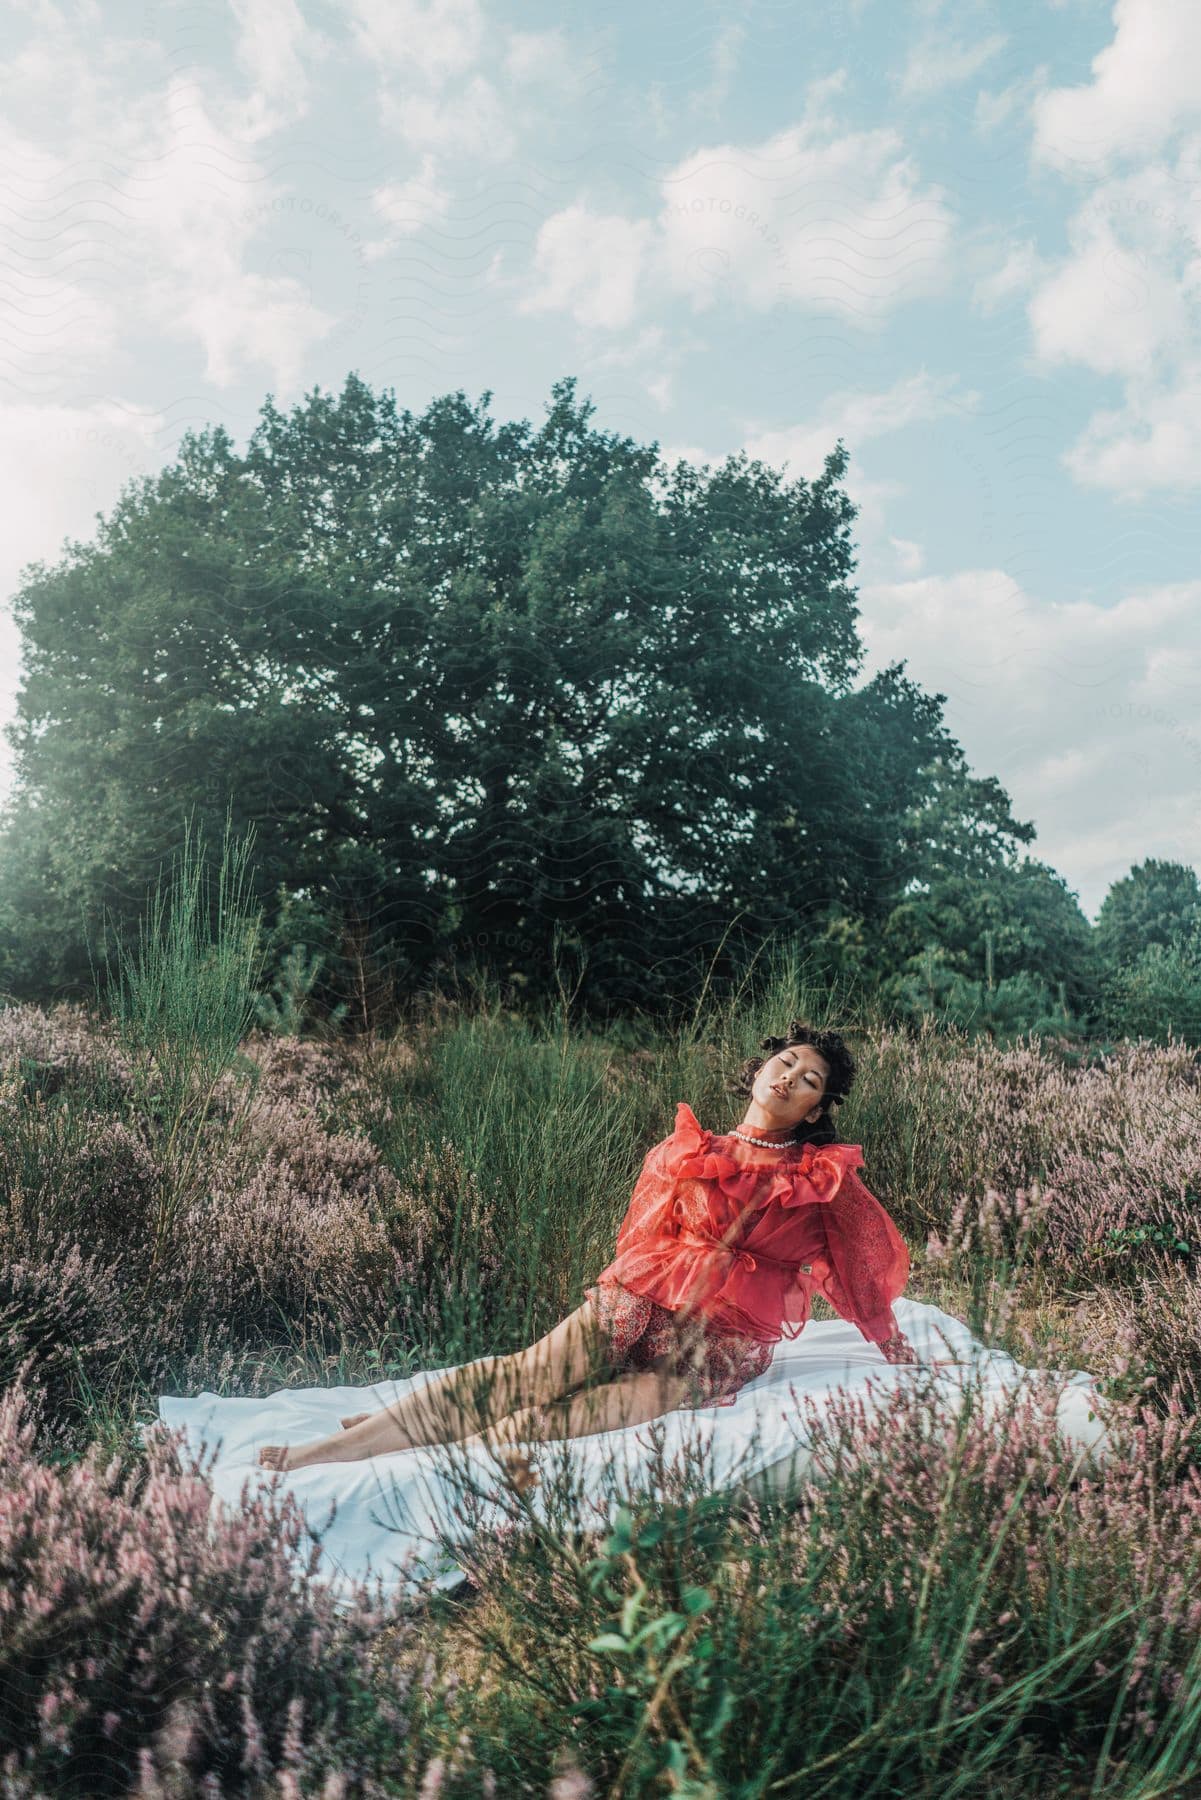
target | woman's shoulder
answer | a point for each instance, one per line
(687, 1135)
(687, 1124)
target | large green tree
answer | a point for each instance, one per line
(1017, 917)
(1157, 903)
(475, 686)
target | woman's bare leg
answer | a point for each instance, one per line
(469, 1398)
(633, 1399)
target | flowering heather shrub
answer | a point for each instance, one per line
(1066, 1551)
(57, 1314)
(945, 1118)
(1148, 1337)
(303, 1230)
(144, 1647)
(309, 1075)
(339, 1083)
(64, 1038)
(1099, 1201)
(302, 1221)
(287, 1222)
(936, 1563)
(101, 1186)
(80, 1174)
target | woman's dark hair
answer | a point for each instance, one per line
(829, 1045)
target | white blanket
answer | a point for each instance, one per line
(400, 1516)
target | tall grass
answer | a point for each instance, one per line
(181, 1008)
(954, 1606)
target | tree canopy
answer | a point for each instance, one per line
(482, 689)
(1157, 903)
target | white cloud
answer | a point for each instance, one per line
(274, 47)
(1107, 306)
(193, 223)
(589, 265)
(1084, 712)
(935, 64)
(454, 82)
(434, 60)
(723, 61)
(161, 234)
(810, 218)
(429, 43)
(689, 453)
(1127, 302)
(139, 223)
(1144, 87)
(57, 321)
(407, 207)
(242, 318)
(473, 120)
(910, 556)
(994, 108)
(1015, 273)
(1153, 442)
(545, 58)
(858, 417)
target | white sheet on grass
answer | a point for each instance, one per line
(389, 1511)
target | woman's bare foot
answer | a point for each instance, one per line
(274, 1456)
(353, 1419)
(521, 1471)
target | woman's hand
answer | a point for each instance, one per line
(898, 1349)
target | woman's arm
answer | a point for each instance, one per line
(866, 1266)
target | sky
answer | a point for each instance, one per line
(964, 238)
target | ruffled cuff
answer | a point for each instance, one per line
(898, 1349)
(880, 1327)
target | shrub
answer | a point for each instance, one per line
(56, 1325)
(141, 1642)
(954, 1600)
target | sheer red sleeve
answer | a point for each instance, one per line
(866, 1263)
(648, 1214)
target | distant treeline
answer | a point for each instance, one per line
(529, 707)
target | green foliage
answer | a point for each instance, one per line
(1157, 994)
(1005, 952)
(1124, 1249)
(182, 1007)
(475, 686)
(1156, 904)
(286, 951)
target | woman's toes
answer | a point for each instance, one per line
(521, 1470)
(354, 1419)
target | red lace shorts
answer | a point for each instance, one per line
(641, 1333)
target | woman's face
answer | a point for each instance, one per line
(791, 1085)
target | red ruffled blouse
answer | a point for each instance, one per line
(720, 1227)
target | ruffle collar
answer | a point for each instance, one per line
(814, 1175)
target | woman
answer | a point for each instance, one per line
(709, 1275)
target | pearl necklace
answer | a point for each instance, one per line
(766, 1143)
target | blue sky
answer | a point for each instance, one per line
(965, 238)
